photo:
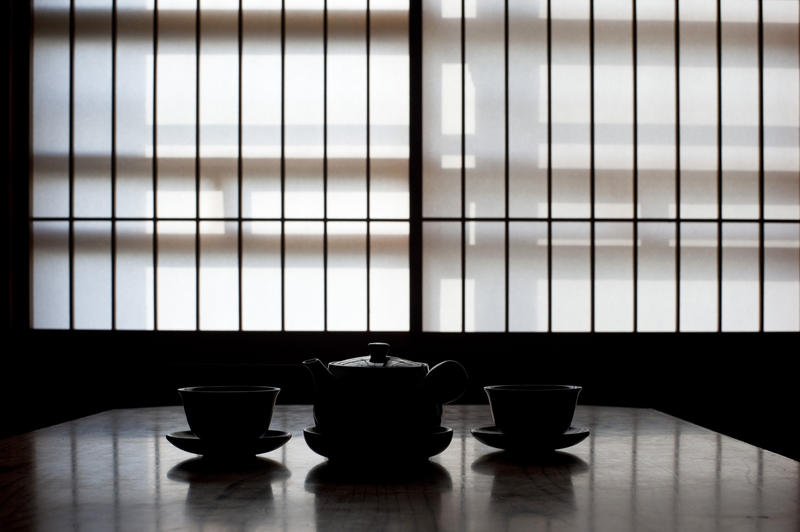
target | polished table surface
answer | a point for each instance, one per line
(639, 470)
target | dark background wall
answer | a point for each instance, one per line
(738, 384)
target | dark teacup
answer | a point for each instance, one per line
(229, 414)
(532, 409)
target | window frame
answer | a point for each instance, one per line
(19, 221)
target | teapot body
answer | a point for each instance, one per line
(383, 396)
(377, 404)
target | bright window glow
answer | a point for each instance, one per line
(648, 204)
(200, 245)
(640, 168)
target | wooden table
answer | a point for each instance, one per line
(639, 470)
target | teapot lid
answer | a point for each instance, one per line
(378, 358)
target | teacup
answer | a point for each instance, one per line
(533, 409)
(229, 414)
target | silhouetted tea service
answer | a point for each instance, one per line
(229, 421)
(531, 417)
(381, 405)
(532, 409)
(378, 408)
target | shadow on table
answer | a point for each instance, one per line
(526, 490)
(377, 496)
(229, 493)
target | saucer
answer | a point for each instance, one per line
(494, 437)
(185, 440)
(358, 447)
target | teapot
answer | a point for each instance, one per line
(383, 395)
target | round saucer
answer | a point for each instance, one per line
(494, 437)
(185, 440)
(359, 447)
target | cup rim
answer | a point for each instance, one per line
(228, 389)
(532, 387)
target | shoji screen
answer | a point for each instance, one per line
(214, 164)
(587, 165)
(611, 165)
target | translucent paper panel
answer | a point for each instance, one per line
(527, 109)
(739, 109)
(304, 277)
(219, 276)
(613, 111)
(527, 276)
(698, 277)
(484, 298)
(134, 275)
(50, 275)
(740, 283)
(134, 107)
(261, 276)
(656, 277)
(782, 277)
(655, 32)
(781, 110)
(176, 113)
(389, 276)
(485, 145)
(388, 190)
(698, 108)
(389, 108)
(219, 107)
(176, 276)
(92, 275)
(570, 108)
(50, 108)
(304, 108)
(347, 276)
(347, 111)
(571, 277)
(613, 283)
(441, 276)
(441, 99)
(261, 109)
(92, 100)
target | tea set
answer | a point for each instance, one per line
(228, 421)
(377, 406)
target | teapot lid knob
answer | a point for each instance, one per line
(378, 352)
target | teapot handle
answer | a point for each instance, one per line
(446, 381)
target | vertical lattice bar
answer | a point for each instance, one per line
(283, 165)
(415, 166)
(325, 165)
(71, 164)
(239, 164)
(155, 164)
(549, 170)
(113, 164)
(197, 166)
(719, 165)
(463, 169)
(677, 167)
(368, 163)
(591, 171)
(760, 165)
(635, 60)
(506, 155)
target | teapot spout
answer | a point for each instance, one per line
(322, 376)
